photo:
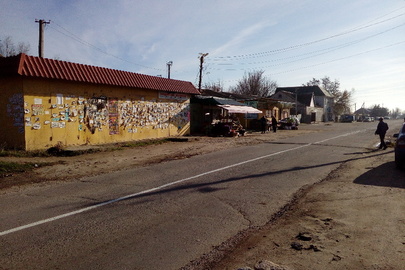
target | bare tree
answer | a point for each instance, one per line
(396, 113)
(7, 47)
(217, 87)
(326, 83)
(255, 84)
(342, 99)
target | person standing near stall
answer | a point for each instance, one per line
(274, 123)
(263, 124)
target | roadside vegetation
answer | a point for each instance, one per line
(10, 167)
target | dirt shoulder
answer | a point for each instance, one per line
(354, 219)
(74, 167)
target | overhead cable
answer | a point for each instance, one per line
(78, 39)
(261, 54)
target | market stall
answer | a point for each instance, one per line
(216, 116)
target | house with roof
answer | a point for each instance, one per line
(362, 114)
(46, 102)
(303, 106)
(320, 110)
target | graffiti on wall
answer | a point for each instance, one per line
(15, 110)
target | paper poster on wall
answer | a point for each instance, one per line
(113, 116)
(59, 99)
(37, 101)
(36, 126)
(37, 109)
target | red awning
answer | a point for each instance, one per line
(239, 109)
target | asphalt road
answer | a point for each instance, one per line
(165, 215)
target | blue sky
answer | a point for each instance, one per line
(361, 43)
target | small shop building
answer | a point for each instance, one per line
(216, 114)
(46, 102)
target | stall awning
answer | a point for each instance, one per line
(239, 109)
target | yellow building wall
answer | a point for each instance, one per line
(69, 113)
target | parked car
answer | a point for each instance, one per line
(369, 119)
(400, 147)
(347, 118)
(289, 123)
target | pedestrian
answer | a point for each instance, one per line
(382, 128)
(263, 124)
(274, 123)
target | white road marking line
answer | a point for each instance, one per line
(30, 225)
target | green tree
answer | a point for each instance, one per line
(255, 84)
(8, 48)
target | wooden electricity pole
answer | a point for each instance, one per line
(41, 36)
(202, 55)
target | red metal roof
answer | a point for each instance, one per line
(32, 66)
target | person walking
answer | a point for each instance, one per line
(274, 123)
(382, 128)
(263, 124)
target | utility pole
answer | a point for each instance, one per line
(169, 64)
(202, 55)
(41, 36)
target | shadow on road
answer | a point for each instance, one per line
(212, 186)
(385, 175)
(362, 149)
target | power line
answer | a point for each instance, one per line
(341, 58)
(326, 62)
(78, 39)
(311, 54)
(261, 54)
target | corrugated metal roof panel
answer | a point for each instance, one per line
(32, 66)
